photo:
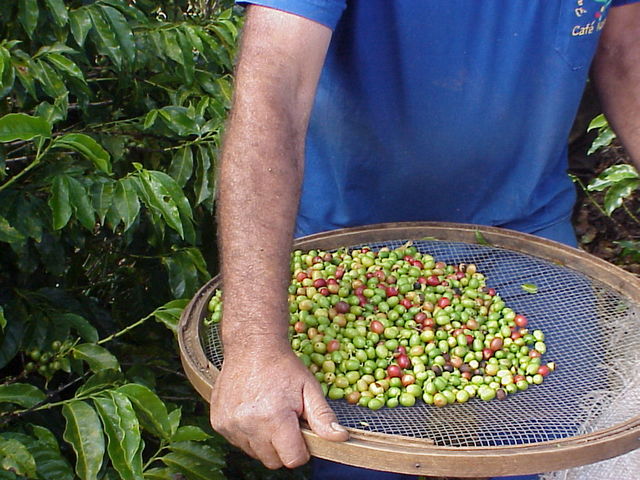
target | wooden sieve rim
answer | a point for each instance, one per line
(419, 456)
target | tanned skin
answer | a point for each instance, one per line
(616, 75)
(263, 388)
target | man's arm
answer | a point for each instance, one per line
(263, 387)
(616, 74)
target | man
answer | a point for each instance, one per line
(364, 111)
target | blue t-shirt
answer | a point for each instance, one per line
(455, 110)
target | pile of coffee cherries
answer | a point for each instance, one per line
(388, 327)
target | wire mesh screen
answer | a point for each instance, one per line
(587, 326)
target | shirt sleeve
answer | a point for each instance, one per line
(326, 12)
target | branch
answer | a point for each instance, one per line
(43, 405)
(26, 170)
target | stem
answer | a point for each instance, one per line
(10, 380)
(590, 197)
(103, 79)
(155, 456)
(26, 170)
(126, 329)
(8, 416)
(207, 138)
(630, 213)
(157, 85)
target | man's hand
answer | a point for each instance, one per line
(256, 404)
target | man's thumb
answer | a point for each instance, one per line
(320, 417)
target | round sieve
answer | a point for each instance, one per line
(589, 311)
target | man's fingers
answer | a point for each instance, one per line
(289, 443)
(265, 452)
(319, 415)
(246, 448)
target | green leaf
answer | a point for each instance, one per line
(50, 464)
(126, 202)
(169, 314)
(106, 38)
(28, 217)
(195, 255)
(604, 139)
(80, 324)
(129, 9)
(183, 274)
(202, 187)
(81, 204)
(190, 433)
(480, 238)
(8, 234)
(102, 198)
(195, 461)
(159, 474)
(23, 394)
(598, 122)
(159, 199)
(53, 113)
(25, 76)
(80, 23)
(618, 193)
(612, 175)
(101, 380)
(60, 202)
(179, 198)
(116, 145)
(123, 431)
(84, 433)
(65, 66)
(529, 288)
(233, 30)
(11, 341)
(151, 411)
(46, 436)
(51, 82)
(3, 320)
(57, 47)
(14, 456)
(181, 167)
(58, 11)
(7, 72)
(28, 15)
(65, 364)
(20, 126)
(7, 475)
(226, 88)
(179, 121)
(222, 31)
(122, 31)
(52, 254)
(188, 64)
(150, 118)
(86, 146)
(192, 33)
(174, 419)
(96, 356)
(171, 47)
(630, 248)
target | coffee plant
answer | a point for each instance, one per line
(111, 114)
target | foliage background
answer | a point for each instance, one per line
(111, 114)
